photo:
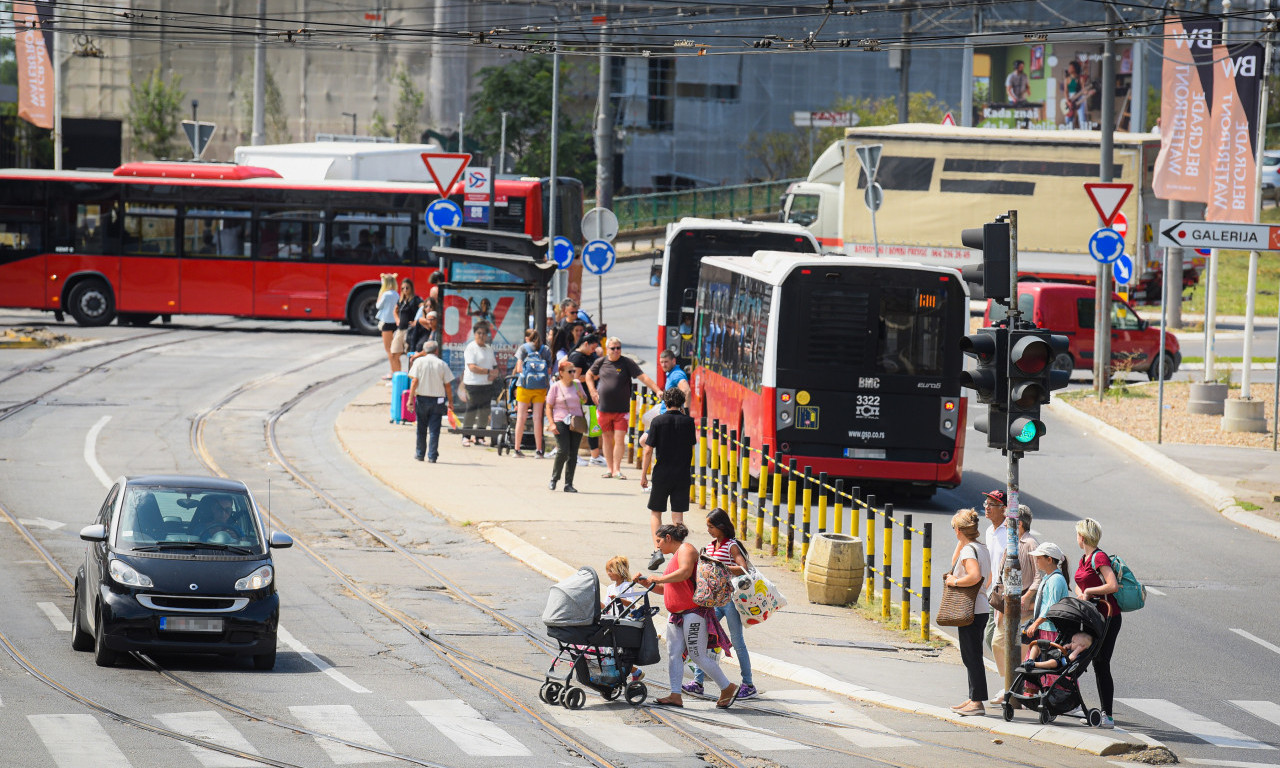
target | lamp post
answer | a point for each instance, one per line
(351, 115)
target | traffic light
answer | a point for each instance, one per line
(993, 240)
(1031, 380)
(988, 346)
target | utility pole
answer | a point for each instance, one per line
(57, 97)
(502, 145)
(1012, 566)
(555, 145)
(1102, 300)
(604, 125)
(260, 79)
(904, 74)
(462, 127)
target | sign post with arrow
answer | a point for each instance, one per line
(869, 157)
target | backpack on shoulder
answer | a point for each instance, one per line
(1131, 595)
(713, 589)
(533, 371)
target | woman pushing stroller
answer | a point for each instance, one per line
(691, 629)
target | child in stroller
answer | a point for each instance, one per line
(1056, 656)
(600, 648)
(1031, 687)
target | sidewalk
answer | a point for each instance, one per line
(554, 533)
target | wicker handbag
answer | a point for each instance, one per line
(956, 609)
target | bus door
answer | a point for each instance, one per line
(364, 245)
(217, 272)
(149, 267)
(291, 277)
(21, 242)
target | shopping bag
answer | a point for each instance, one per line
(755, 597)
(593, 423)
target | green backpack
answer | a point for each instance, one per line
(1131, 595)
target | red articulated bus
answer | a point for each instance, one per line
(159, 239)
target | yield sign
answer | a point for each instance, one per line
(1107, 199)
(947, 119)
(445, 166)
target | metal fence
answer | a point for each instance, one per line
(657, 209)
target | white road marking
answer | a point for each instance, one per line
(865, 731)
(213, 727)
(607, 726)
(41, 522)
(460, 723)
(1197, 725)
(90, 452)
(318, 662)
(342, 721)
(74, 741)
(59, 621)
(1256, 639)
(747, 739)
(1222, 763)
(1154, 591)
(1267, 710)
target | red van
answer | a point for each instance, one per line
(1068, 309)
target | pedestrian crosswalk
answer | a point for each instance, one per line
(1205, 729)
(465, 730)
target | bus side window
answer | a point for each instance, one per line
(21, 230)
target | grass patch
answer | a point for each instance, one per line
(1249, 506)
(1233, 281)
(1217, 359)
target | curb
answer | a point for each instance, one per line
(1199, 486)
(1090, 741)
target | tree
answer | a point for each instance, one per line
(523, 89)
(275, 123)
(378, 125)
(155, 114)
(408, 107)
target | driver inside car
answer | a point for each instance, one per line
(217, 514)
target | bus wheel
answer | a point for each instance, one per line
(136, 318)
(91, 303)
(362, 312)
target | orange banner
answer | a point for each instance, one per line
(34, 44)
(1233, 133)
(1182, 167)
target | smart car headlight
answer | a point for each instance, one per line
(257, 580)
(128, 575)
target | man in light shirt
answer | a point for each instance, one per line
(430, 392)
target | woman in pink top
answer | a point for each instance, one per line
(564, 400)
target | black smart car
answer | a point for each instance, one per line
(178, 564)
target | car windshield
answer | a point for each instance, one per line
(157, 519)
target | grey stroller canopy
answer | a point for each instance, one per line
(574, 602)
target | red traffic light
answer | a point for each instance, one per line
(1031, 355)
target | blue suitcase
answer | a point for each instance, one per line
(399, 385)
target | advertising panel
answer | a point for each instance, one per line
(34, 48)
(1233, 133)
(1187, 89)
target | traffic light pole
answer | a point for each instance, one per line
(1011, 568)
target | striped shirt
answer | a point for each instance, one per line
(721, 551)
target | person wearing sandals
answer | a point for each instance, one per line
(610, 381)
(691, 629)
(971, 564)
(725, 548)
(672, 436)
(564, 399)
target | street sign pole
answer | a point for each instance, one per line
(1102, 300)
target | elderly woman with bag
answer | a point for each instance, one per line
(970, 567)
(691, 628)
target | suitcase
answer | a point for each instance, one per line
(399, 385)
(407, 414)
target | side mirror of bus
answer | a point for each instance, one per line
(655, 274)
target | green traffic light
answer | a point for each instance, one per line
(1027, 434)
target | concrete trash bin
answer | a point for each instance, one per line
(833, 569)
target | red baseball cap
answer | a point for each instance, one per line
(998, 497)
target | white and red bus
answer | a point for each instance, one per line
(849, 365)
(160, 239)
(691, 240)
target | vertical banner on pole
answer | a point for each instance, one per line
(1182, 167)
(34, 50)
(1233, 133)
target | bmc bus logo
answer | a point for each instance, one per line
(868, 382)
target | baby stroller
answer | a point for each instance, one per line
(599, 650)
(502, 416)
(1070, 615)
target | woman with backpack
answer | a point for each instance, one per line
(725, 548)
(1096, 582)
(533, 365)
(691, 628)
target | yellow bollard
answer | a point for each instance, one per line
(744, 486)
(731, 504)
(926, 576)
(838, 512)
(906, 573)
(886, 567)
(762, 495)
(822, 502)
(791, 507)
(702, 463)
(774, 500)
(715, 463)
(632, 438)
(869, 540)
(806, 507)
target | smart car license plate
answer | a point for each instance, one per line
(189, 624)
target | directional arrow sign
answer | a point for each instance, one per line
(1122, 269)
(598, 257)
(1107, 198)
(445, 166)
(562, 251)
(1175, 233)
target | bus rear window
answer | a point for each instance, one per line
(691, 246)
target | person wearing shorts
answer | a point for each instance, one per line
(672, 436)
(609, 382)
(530, 397)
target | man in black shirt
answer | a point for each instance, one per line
(672, 436)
